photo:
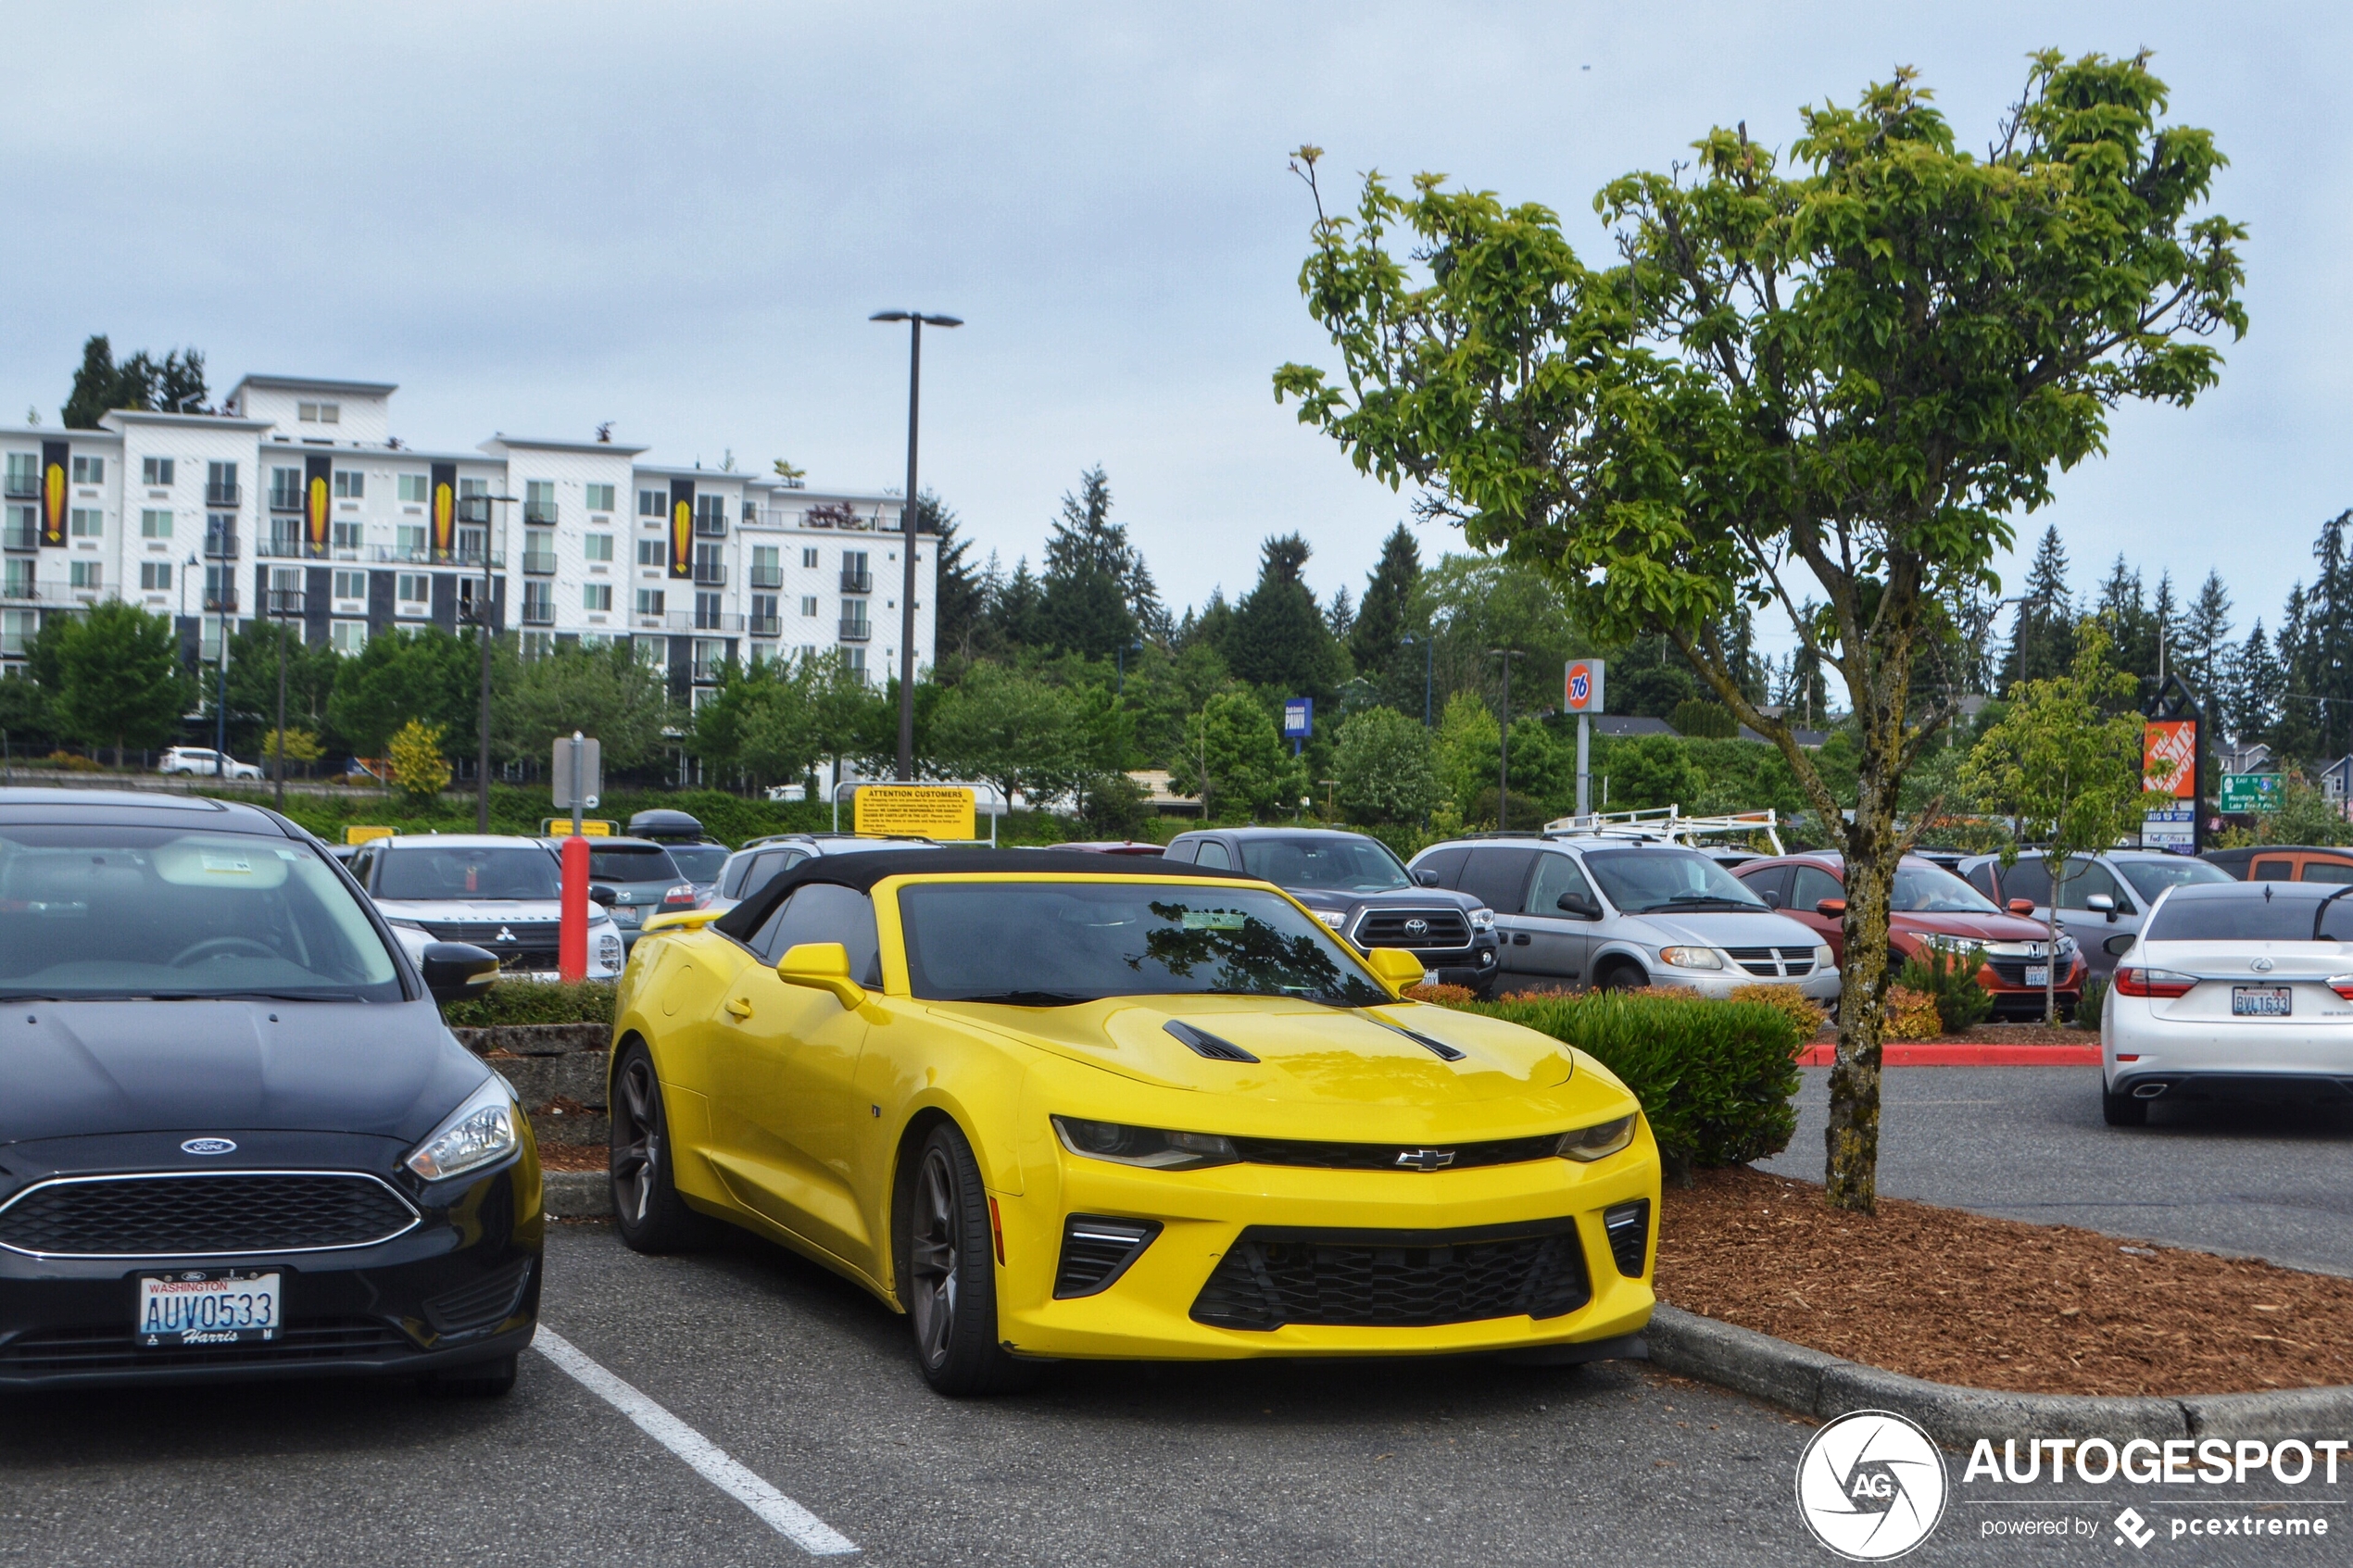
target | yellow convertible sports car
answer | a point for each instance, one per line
(1053, 1105)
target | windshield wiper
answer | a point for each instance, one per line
(1027, 998)
(1687, 900)
(251, 996)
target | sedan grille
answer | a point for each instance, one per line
(1774, 963)
(1395, 1157)
(2013, 972)
(1387, 928)
(57, 1352)
(227, 1213)
(520, 943)
(1395, 1279)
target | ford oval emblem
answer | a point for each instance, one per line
(2262, 966)
(208, 1146)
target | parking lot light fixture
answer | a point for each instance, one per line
(917, 320)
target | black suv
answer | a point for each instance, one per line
(1361, 890)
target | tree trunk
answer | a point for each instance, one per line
(1851, 1139)
(2050, 961)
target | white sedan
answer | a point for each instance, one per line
(2231, 990)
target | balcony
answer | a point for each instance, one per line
(281, 546)
(710, 525)
(538, 612)
(283, 500)
(767, 577)
(705, 621)
(229, 494)
(219, 546)
(24, 484)
(220, 604)
(857, 631)
(539, 514)
(765, 625)
(539, 563)
(19, 588)
(16, 537)
(711, 574)
(285, 601)
(857, 581)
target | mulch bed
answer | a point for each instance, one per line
(573, 1156)
(1992, 1035)
(1960, 1298)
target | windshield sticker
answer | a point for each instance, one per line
(1215, 919)
(227, 865)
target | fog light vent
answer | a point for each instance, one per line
(1629, 1227)
(1096, 1251)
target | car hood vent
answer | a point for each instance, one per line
(1209, 1045)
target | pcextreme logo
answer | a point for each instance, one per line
(1871, 1486)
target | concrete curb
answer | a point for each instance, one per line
(576, 1195)
(1822, 1386)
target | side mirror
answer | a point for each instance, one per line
(599, 894)
(2118, 945)
(1830, 909)
(1426, 877)
(823, 966)
(1772, 899)
(2021, 906)
(453, 970)
(1577, 904)
(1395, 966)
(2100, 903)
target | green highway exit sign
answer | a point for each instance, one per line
(2250, 792)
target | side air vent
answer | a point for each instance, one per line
(1207, 1043)
(1629, 1225)
(1439, 1048)
(1096, 1251)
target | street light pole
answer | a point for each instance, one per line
(1504, 742)
(915, 321)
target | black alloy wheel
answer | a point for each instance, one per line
(948, 1271)
(652, 1217)
(484, 1380)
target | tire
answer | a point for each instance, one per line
(484, 1380)
(2124, 1111)
(646, 1204)
(948, 1271)
(1621, 976)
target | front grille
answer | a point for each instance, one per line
(520, 943)
(2013, 972)
(1395, 1279)
(60, 1351)
(1391, 1156)
(206, 1215)
(1096, 1251)
(485, 1304)
(1628, 1225)
(1386, 928)
(1774, 963)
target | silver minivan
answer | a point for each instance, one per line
(1593, 912)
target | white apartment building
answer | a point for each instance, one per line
(297, 501)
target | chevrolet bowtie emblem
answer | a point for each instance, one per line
(1425, 1159)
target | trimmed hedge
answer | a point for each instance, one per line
(1715, 1078)
(533, 1002)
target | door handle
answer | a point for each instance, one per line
(739, 1006)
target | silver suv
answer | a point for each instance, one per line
(749, 869)
(1586, 911)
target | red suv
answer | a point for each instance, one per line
(1927, 905)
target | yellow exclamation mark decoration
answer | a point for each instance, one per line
(54, 485)
(441, 505)
(319, 511)
(682, 527)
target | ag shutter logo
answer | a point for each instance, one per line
(1871, 1486)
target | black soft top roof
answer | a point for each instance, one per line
(862, 872)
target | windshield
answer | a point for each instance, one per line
(2150, 878)
(1639, 880)
(1932, 890)
(1339, 865)
(102, 910)
(522, 870)
(2251, 917)
(632, 862)
(699, 862)
(1050, 944)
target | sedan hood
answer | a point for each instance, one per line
(1399, 897)
(77, 1069)
(1307, 1054)
(439, 909)
(1726, 928)
(1974, 928)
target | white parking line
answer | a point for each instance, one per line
(707, 1458)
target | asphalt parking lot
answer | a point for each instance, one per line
(807, 1384)
(2273, 1182)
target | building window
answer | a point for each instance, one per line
(595, 596)
(415, 487)
(856, 659)
(220, 534)
(85, 574)
(539, 604)
(17, 627)
(596, 546)
(156, 470)
(600, 498)
(809, 604)
(408, 541)
(412, 587)
(89, 470)
(87, 522)
(764, 622)
(285, 490)
(155, 523)
(537, 645)
(767, 572)
(809, 559)
(351, 584)
(711, 515)
(155, 576)
(24, 473)
(653, 552)
(318, 413)
(221, 484)
(219, 589)
(853, 620)
(653, 503)
(349, 636)
(539, 500)
(350, 485)
(18, 577)
(345, 535)
(649, 601)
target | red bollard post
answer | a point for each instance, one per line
(571, 934)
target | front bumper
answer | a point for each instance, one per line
(435, 1297)
(1475, 966)
(1147, 1313)
(1822, 985)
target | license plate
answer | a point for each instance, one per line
(2038, 974)
(208, 1307)
(624, 914)
(2260, 1001)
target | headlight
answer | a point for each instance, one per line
(2067, 946)
(479, 1133)
(1332, 918)
(1482, 920)
(1691, 957)
(1959, 946)
(1147, 1147)
(1597, 1143)
(608, 948)
(1824, 958)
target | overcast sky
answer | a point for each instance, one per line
(678, 217)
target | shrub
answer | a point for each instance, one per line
(417, 763)
(1911, 1015)
(1443, 994)
(2087, 1011)
(1950, 981)
(1713, 1078)
(1808, 1015)
(532, 1001)
(1701, 719)
(72, 762)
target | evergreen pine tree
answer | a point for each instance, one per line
(1384, 615)
(1278, 639)
(2205, 633)
(93, 386)
(2043, 644)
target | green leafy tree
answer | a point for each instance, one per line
(426, 675)
(1469, 747)
(119, 681)
(174, 384)
(1387, 766)
(1234, 759)
(1474, 603)
(1855, 370)
(1012, 729)
(417, 766)
(2065, 760)
(2305, 815)
(253, 681)
(601, 691)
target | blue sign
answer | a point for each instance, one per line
(1299, 718)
